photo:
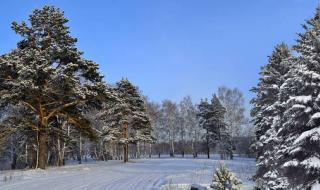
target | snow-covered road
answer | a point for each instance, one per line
(148, 174)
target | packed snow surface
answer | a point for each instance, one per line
(142, 174)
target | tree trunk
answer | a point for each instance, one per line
(182, 142)
(62, 147)
(172, 147)
(14, 161)
(138, 150)
(208, 148)
(26, 160)
(60, 156)
(125, 146)
(106, 152)
(80, 149)
(172, 144)
(125, 153)
(145, 149)
(150, 150)
(192, 149)
(42, 150)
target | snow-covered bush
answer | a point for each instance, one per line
(223, 179)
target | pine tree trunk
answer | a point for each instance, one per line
(59, 152)
(106, 152)
(42, 150)
(208, 148)
(14, 161)
(145, 149)
(80, 149)
(26, 155)
(125, 153)
(172, 147)
(192, 148)
(126, 146)
(138, 150)
(150, 150)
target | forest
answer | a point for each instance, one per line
(56, 108)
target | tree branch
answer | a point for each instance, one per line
(62, 107)
(30, 106)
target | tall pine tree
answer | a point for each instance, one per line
(218, 124)
(299, 156)
(47, 75)
(128, 117)
(211, 118)
(268, 117)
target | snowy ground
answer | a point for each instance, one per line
(148, 174)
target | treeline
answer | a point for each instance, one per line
(287, 114)
(218, 125)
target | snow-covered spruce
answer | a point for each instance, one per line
(267, 113)
(299, 155)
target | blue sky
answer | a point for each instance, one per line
(173, 48)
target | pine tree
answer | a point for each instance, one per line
(223, 179)
(204, 114)
(268, 117)
(128, 119)
(219, 125)
(211, 118)
(47, 75)
(298, 155)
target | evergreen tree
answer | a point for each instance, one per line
(204, 114)
(268, 117)
(219, 125)
(223, 179)
(128, 117)
(47, 74)
(211, 118)
(299, 152)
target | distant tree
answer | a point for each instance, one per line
(169, 117)
(154, 113)
(233, 101)
(219, 126)
(47, 75)
(190, 126)
(211, 118)
(128, 117)
(204, 114)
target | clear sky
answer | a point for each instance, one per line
(173, 48)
